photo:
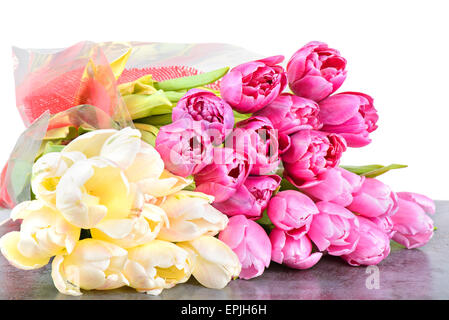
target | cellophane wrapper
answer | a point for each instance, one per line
(76, 87)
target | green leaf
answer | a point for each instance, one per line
(52, 147)
(186, 83)
(141, 105)
(175, 96)
(373, 170)
(148, 132)
(265, 222)
(286, 185)
(158, 120)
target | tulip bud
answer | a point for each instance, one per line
(93, 264)
(335, 185)
(251, 198)
(373, 245)
(310, 154)
(350, 114)
(251, 244)
(251, 86)
(157, 265)
(289, 114)
(374, 199)
(190, 215)
(214, 263)
(334, 229)
(290, 209)
(315, 71)
(224, 175)
(413, 227)
(295, 253)
(204, 105)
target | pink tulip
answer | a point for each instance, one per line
(289, 113)
(310, 154)
(374, 199)
(373, 245)
(294, 253)
(291, 211)
(350, 114)
(251, 86)
(224, 175)
(184, 146)
(256, 137)
(251, 244)
(251, 198)
(335, 185)
(204, 105)
(385, 223)
(334, 229)
(414, 228)
(315, 71)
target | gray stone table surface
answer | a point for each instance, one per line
(406, 274)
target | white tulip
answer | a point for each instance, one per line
(157, 265)
(48, 170)
(93, 189)
(43, 234)
(214, 263)
(132, 231)
(191, 215)
(93, 264)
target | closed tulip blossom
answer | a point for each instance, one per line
(227, 172)
(251, 244)
(292, 252)
(374, 199)
(251, 198)
(310, 154)
(350, 114)
(385, 223)
(289, 113)
(315, 71)
(373, 245)
(251, 86)
(214, 263)
(199, 105)
(334, 185)
(157, 265)
(185, 146)
(256, 137)
(334, 229)
(291, 210)
(413, 227)
(92, 265)
(190, 215)
(43, 234)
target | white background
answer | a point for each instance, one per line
(397, 51)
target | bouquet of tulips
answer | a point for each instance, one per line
(144, 176)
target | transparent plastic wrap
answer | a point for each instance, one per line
(61, 93)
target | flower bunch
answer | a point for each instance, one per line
(111, 215)
(215, 183)
(276, 172)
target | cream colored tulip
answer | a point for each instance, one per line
(191, 215)
(48, 170)
(132, 231)
(90, 143)
(120, 147)
(214, 263)
(93, 264)
(157, 265)
(94, 189)
(43, 234)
